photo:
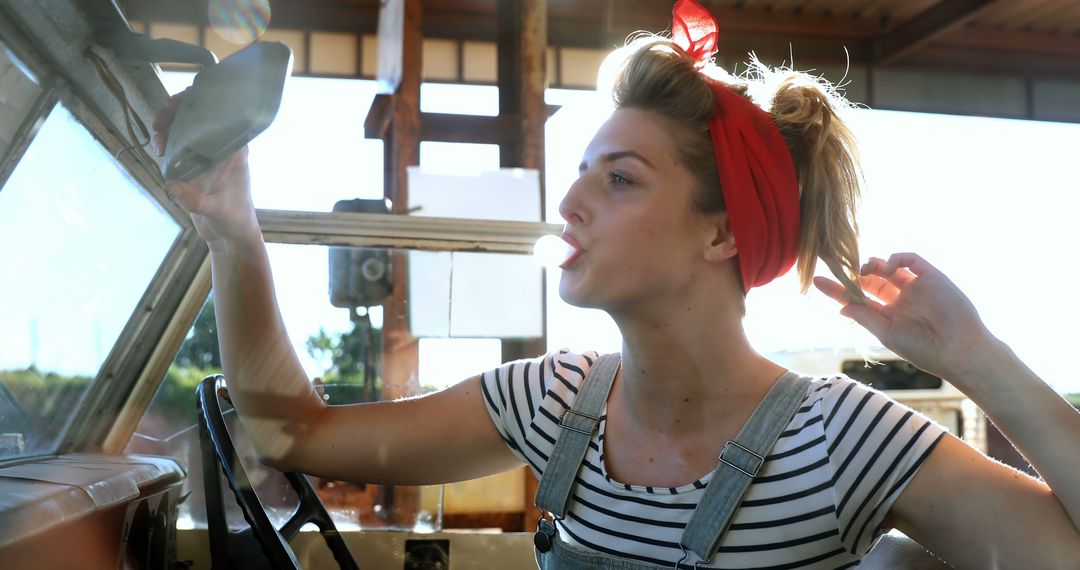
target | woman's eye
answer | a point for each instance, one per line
(617, 179)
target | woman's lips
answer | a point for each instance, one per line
(575, 251)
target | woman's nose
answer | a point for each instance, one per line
(570, 206)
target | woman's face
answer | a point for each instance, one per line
(636, 238)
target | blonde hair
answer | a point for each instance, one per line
(659, 77)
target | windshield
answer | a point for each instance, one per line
(79, 243)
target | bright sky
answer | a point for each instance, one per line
(987, 200)
(64, 298)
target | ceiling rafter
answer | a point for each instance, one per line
(965, 29)
(933, 23)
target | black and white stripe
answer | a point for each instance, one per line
(819, 500)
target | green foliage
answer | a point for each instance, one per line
(346, 353)
(197, 358)
(200, 349)
(35, 402)
(175, 398)
(40, 393)
(1074, 399)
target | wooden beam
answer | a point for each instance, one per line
(925, 27)
(405, 109)
(531, 120)
(447, 127)
(772, 35)
(379, 118)
(573, 29)
(401, 350)
(522, 60)
(954, 59)
(475, 129)
(570, 24)
(1035, 45)
(509, 65)
(402, 232)
(533, 114)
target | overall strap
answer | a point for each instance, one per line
(740, 461)
(577, 426)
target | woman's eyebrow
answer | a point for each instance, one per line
(616, 155)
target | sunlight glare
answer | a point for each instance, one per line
(550, 251)
(239, 21)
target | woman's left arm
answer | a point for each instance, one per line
(965, 507)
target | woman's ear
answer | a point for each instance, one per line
(720, 244)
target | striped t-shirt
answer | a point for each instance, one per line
(817, 502)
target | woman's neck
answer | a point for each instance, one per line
(686, 367)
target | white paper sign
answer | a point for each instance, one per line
(466, 294)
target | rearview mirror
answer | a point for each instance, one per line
(229, 104)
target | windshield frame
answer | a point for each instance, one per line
(67, 77)
(143, 332)
(121, 391)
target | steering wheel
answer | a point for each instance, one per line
(232, 550)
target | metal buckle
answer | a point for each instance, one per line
(545, 533)
(686, 555)
(760, 462)
(595, 420)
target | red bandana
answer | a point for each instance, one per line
(761, 190)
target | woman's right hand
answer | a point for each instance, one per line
(219, 200)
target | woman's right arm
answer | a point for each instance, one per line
(446, 436)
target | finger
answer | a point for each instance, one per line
(869, 316)
(899, 276)
(160, 139)
(879, 287)
(872, 265)
(165, 116)
(831, 289)
(911, 261)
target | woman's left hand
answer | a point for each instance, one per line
(922, 316)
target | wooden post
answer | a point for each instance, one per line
(401, 149)
(533, 81)
(522, 62)
(522, 59)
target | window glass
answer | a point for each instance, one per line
(79, 243)
(342, 351)
(312, 156)
(314, 153)
(459, 99)
(458, 158)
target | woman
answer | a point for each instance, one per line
(688, 196)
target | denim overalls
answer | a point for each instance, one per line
(740, 461)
